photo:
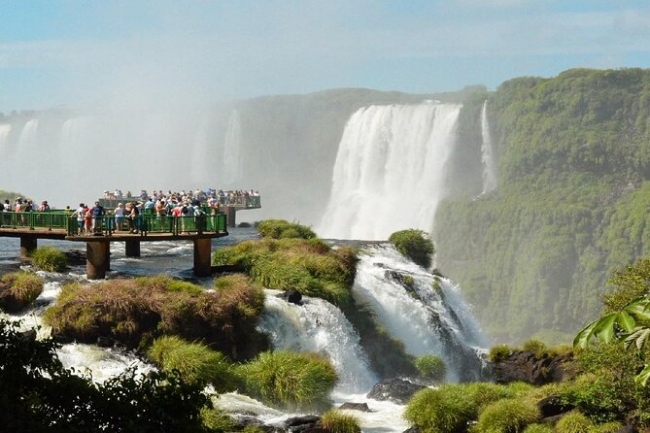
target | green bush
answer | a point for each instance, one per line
(18, 290)
(608, 427)
(49, 259)
(414, 244)
(336, 422)
(443, 410)
(431, 367)
(538, 428)
(281, 229)
(499, 353)
(535, 346)
(308, 266)
(289, 380)
(216, 420)
(507, 416)
(194, 361)
(574, 422)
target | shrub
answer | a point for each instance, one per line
(289, 380)
(308, 266)
(431, 367)
(414, 244)
(535, 346)
(18, 290)
(507, 416)
(135, 312)
(49, 259)
(608, 427)
(443, 410)
(574, 422)
(281, 229)
(216, 420)
(538, 428)
(194, 361)
(499, 353)
(336, 422)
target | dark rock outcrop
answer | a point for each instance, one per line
(361, 407)
(396, 390)
(525, 366)
(293, 296)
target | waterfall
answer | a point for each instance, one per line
(232, 163)
(388, 173)
(424, 311)
(487, 154)
(4, 134)
(318, 326)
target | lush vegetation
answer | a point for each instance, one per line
(136, 311)
(281, 229)
(39, 394)
(290, 380)
(49, 259)
(431, 367)
(315, 269)
(195, 362)
(571, 205)
(307, 265)
(336, 422)
(414, 244)
(18, 290)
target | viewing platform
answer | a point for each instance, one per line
(228, 206)
(59, 225)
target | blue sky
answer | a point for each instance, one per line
(143, 54)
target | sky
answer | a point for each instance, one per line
(156, 54)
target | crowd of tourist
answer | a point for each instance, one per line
(208, 196)
(129, 207)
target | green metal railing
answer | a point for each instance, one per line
(107, 225)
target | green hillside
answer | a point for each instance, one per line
(572, 203)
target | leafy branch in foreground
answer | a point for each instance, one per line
(631, 325)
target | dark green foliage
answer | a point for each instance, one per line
(49, 259)
(281, 229)
(18, 290)
(39, 394)
(572, 202)
(414, 244)
(290, 380)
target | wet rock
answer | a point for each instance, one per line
(396, 390)
(293, 296)
(525, 366)
(303, 424)
(361, 407)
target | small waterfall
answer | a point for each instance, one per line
(318, 326)
(5, 129)
(423, 311)
(232, 163)
(487, 154)
(388, 173)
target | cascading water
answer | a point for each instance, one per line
(487, 154)
(422, 310)
(389, 170)
(318, 326)
(4, 133)
(231, 157)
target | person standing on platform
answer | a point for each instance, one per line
(98, 213)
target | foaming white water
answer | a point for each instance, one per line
(487, 154)
(318, 326)
(427, 319)
(231, 157)
(389, 170)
